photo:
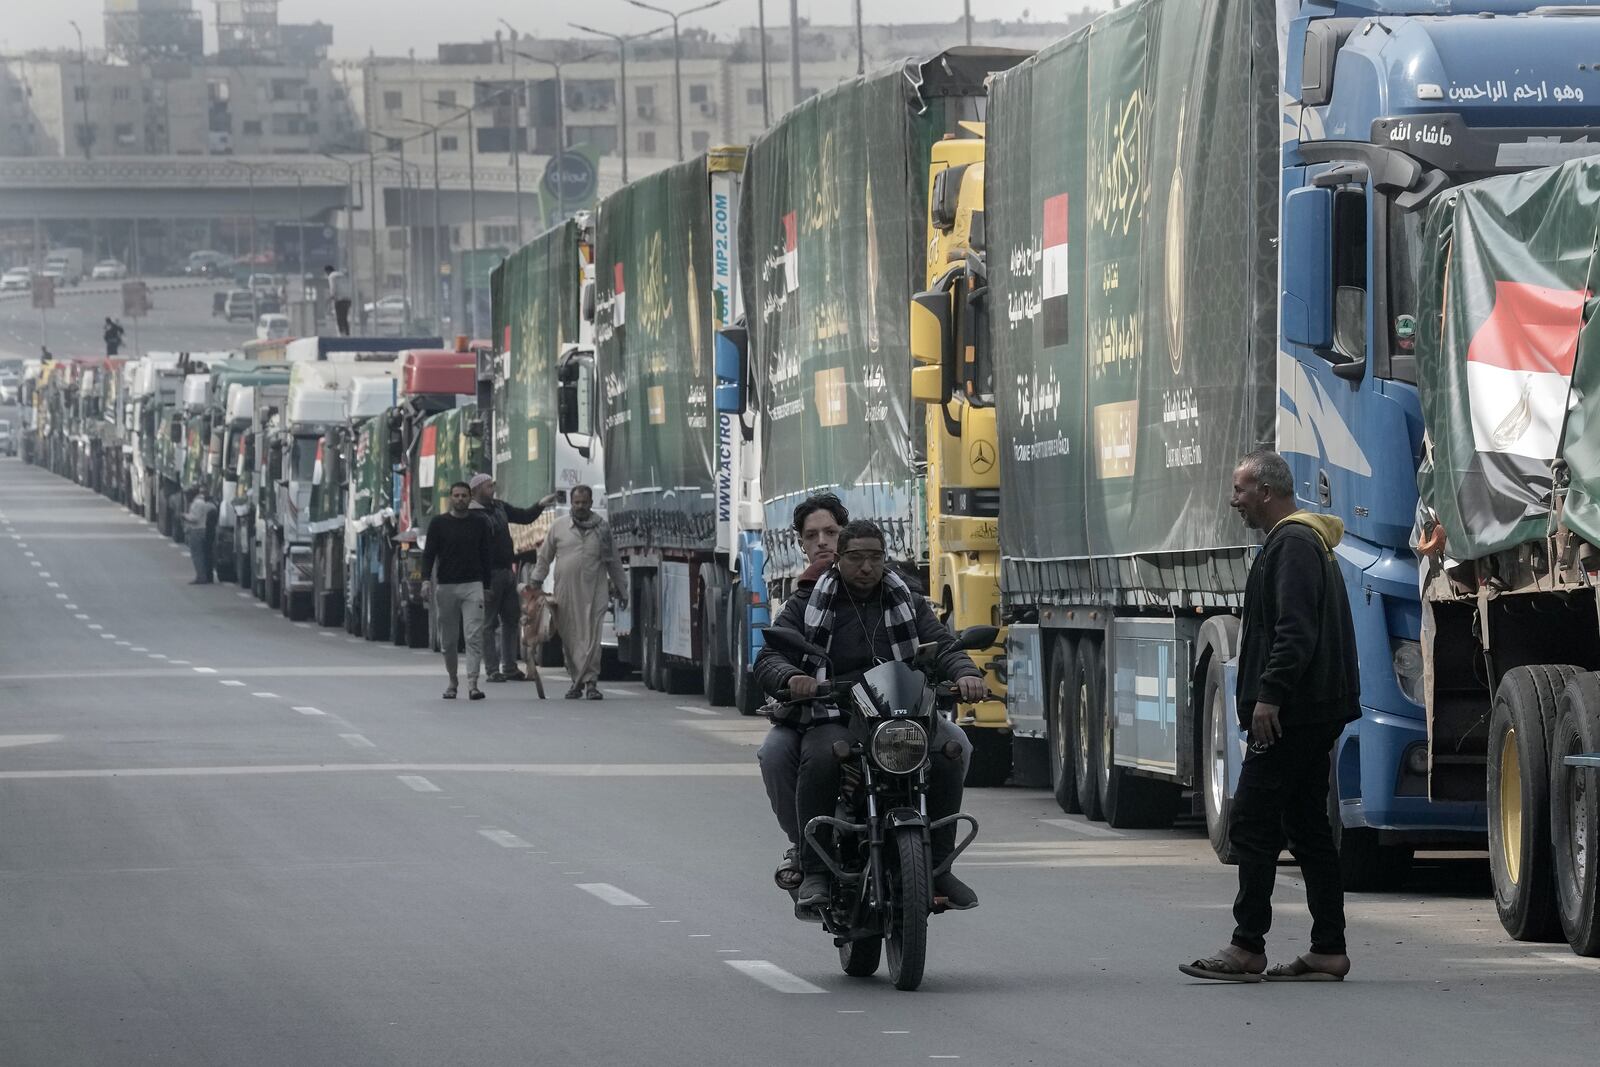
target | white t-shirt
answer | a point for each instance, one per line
(339, 285)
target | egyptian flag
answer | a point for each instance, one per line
(791, 253)
(1519, 369)
(425, 457)
(1053, 269)
(619, 306)
(316, 467)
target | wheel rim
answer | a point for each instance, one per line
(1216, 788)
(1511, 807)
(1058, 731)
(1578, 823)
(1083, 729)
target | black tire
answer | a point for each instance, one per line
(375, 614)
(860, 959)
(1061, 699)
(333, 608)
(241, 569)
(1575, 815)
(991, 757)
(319, 596)
(274, 592)
(715, 682)
(1220, 730)
(746, 694)
(1030, 762)
(418, 626)
(681, 681)
(654, 670)
(1087, 718)
(612, 669)
(1520, 724)
(910, 901)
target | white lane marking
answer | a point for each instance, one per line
(61, 596)
(1583, 963)
(669, 920)
(357, 741)
(17, 740)
(28, 554)
(80, 615)
(694, 710)
(96, 626)
(896, 1031)
(138, 648)
(852, 1011)
(125, 644)
(418, 783)
(157, 655)
(70, 607)
(772, 976)
(612, 895)
(44, 574)
(945, 1057)
(503, 838)
(303, 625)
(35, 563)
(328, 633)
(109, 637)
(53, 585)
(266, 696)
(180, 663)
(231, 681)
(1088, 829)
(618, 692)
(310, 711)
(205, 670)
(243, 594)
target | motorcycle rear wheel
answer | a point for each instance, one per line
(910, 901)
(859, 959)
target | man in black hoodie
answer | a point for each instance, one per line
(1299, 685)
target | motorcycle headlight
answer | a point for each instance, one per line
(900, 746)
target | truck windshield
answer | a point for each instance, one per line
(304, 460)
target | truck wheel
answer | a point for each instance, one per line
(418, 626)
(746, 694)
(223, 564)
(1220, 737)
(333, 608)
(375, 613)
(1060, 713)
(241, 569)
(1030, 762)
(319, 596)
(273, 590)
(991, 757)
(1087, 719)
(1519, 800)
(715, 682)
(650, 640)
(1575, 814)
(298, 607)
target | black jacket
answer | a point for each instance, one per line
(773, 670)
(1297, 648)
(463, 548)
(501, 515)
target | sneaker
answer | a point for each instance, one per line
(575, 693)
(496, 676)
(956, 894)
(814, 892)
(592, 692)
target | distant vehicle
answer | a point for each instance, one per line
(16, 278)
(207, 263)
(66, 264)
(272, 327)
(108, 270)
(8, 441)
(268, 301)
(240, 304)
(9, 384)
(263, 283)
(391, 309)
(219, 303)
(56, 273)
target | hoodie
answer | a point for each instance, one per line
(1297, 646)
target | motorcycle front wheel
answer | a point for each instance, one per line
(910, 901)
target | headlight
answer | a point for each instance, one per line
(1408, 668)
(900, 747)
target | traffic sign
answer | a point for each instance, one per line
(135, 299)
(44, 292)
(571, 178)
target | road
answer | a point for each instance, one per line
(180, 320)
(233, 840)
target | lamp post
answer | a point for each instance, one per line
(861, 51)
(761, 23)
(87, 134)
(433, 242)
(349, 210)
(561, 123)
(794, 53)
(621, 40)
(677, 60)
(966, 17)
(516, 126)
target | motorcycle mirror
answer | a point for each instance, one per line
(976, 637)
(790, 641)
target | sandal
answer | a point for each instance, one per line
(788, 875)
(474, 693)
(450, 693)
(1300, 971)
(1219, 969)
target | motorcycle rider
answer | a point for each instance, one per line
(863, 614)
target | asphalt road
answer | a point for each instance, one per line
(232, 840)
(180, 320)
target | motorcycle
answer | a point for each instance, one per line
(880, 859)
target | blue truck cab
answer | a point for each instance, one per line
(1388, 104)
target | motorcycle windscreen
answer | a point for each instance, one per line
(896, 686)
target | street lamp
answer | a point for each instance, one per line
(433, 285)
(677, 60)
(86, 136)
(621, 40)
(349, 210)
(561, 128)
(516, 126)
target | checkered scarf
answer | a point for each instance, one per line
(899, 617)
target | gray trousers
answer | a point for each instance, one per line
(779, 756)
(199, 554)
(502, 623)
(459, 606)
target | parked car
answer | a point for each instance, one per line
(207, 263)
(268, 301)
(8, 441)
(219, 303)
(263, 283)
(272, 327)
(240, 304)
(390, 309)
(108, 270)
(9, 385)
(56, 273)
(16, 278)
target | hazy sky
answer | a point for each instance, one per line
(393, 26)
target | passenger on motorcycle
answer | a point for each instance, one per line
(863, 615)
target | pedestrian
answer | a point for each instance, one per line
(197, 522)
(581, 542)
(459, 544)
(1299, 684)
(502, 610)
(339, 293)
(113, 336)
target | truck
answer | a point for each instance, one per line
(450, 448)
(230, 408)
(665, 282)
(67, 262)
(155, 386)
(1147, 193)
(835, 243)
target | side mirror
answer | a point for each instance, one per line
(790, 642)
(1307, 301)
(974, 638)
(574, 398)
(731, 361)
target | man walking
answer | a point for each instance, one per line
(459, 544)
(339, 293)
(196, 531)
(1299, 685)
(502, 611)
(589, 567)
(113, 336)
